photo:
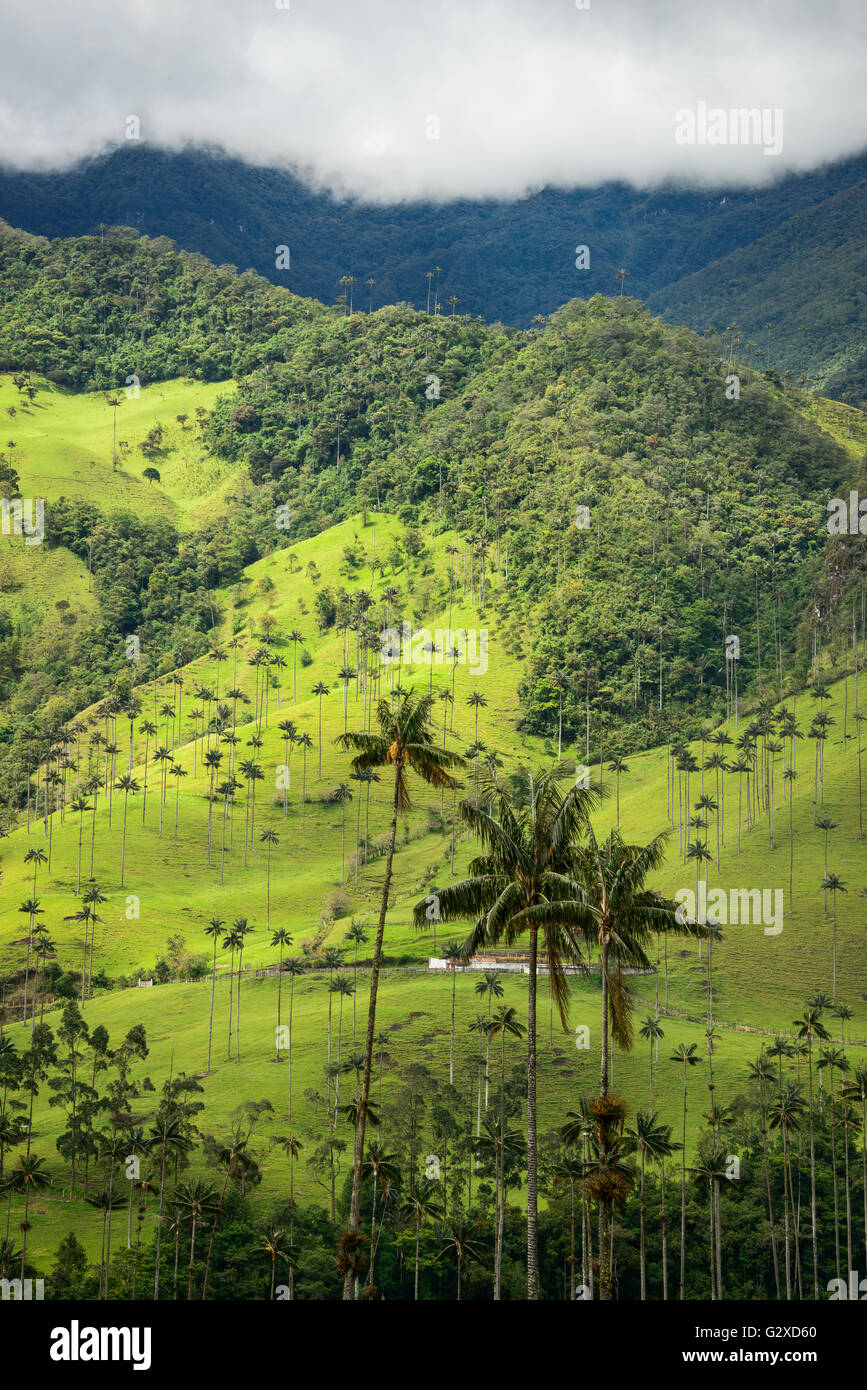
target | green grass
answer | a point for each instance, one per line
(761, 981)
(64, 440)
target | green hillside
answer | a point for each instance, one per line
(796, 295)
(570, 529)
(760, 981)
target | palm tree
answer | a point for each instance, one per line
(489, 985)
(383, 1168)
(79, 805)
(213, 929)
(419, 1206)
(521, 883)
(30, 1176)
(295, 637)
(711, 1167)
(168, 1139)
(198, 1202)
(269, 838)
(685, 1054)
(294, 967)
(621, 276)
(622, 915)
(762, 1073)
(453, 954)
(833, 884)
(291, 1146)
(808, 1027)
(652, 1032)
(281, 938)
(652, 1142)
(405, 741)
(618, 765)
(289, 733)
(125, 784)
(320, 689)
(505, 1022)
(212, 759)
(856, 1090)
(342, 795)
(345, 674)
(242, 929)
(276, 1248)
(343, 987)
(358, 936)
(177, 772)
(784, 1114)
(304, 742)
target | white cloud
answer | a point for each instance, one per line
(526, 93)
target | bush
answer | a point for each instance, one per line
(336, 903)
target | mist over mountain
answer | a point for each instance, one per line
(751, 257)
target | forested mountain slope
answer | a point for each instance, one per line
(503, 260)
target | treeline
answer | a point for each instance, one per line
(181, 1219)
(635, 513)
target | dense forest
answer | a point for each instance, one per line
(788, 252)
(597, 460)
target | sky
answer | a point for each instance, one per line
(394, 100)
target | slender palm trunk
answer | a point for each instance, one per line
(349, 1280)
(532, 1169)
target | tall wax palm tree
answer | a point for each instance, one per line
(343, 987)
(242, 929)
(198, 1203)
(269, 838)
(833, 1059)
(618, 765)
(808, 1027)
(304, 742)
(404, 742)
(460, 1248)
(856, 1091)
(289, 732)
(686, 1056)
(784, 1114)
(520, 883)
(833, 884)
(80, 806)
(383, 1168)
(294, 967)
(711, 1168)
(617, 911)
(505, 1023)
(762, 1072)
(651, 1030)
(177, 772)
(167, 1139)
(345, 674)
(212, 759)
(291, 1146)
(358, 936)
(281, 938)
(29, 1177)
(295, 637)
(230, 942)
(275, 1248)
(342, 795)
(421, 1205)
(319, 690)
(489, 986)
(453, 955)
(653, 1144)
(127, 785)
(214, 930)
